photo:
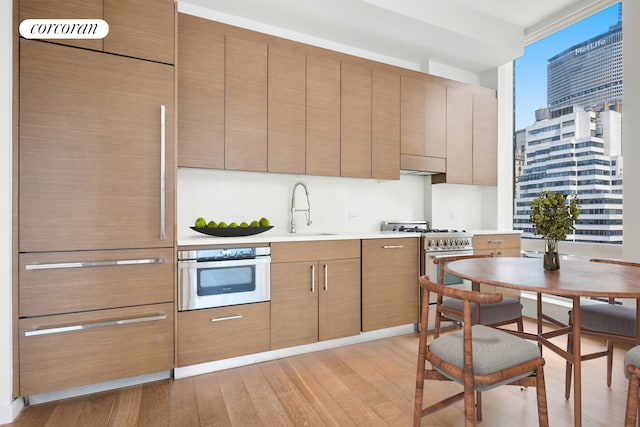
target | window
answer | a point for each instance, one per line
(568, 120)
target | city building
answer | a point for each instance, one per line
(577, 152)
(588, 73)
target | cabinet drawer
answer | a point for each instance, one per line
(220, 333)
(495, 241)
(66, 282)
(71, 350)
(315, 250)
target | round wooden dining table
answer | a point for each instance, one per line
(574, 279)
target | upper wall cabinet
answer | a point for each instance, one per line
(385, 125)
(423, 109)
(138, 28)
(245, 105)
(286, 110)
(323, 116)
(355, 121)
(200, 93)
(471, 136)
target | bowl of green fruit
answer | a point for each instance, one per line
(232, 229)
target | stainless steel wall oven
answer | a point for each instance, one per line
(220, 277)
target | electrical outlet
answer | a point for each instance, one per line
(239, 216)
(353, 217)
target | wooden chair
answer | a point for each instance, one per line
(505, 312)
(478, 357)
(611, 322)
(632, 372)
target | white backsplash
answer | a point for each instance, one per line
(337, 204)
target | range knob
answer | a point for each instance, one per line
(432, 243)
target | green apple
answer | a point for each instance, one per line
(233, 225)
(222, 224)
(201, 223)
(212, 224)
(244, 225)
(264, 222)
(254, 224)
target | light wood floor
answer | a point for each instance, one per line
(369, 384)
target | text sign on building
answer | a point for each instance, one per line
(589, 46)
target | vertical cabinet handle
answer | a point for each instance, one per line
(326, 277)
(163, 172)
(313, 278)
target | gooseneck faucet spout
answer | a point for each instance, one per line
(307, 211)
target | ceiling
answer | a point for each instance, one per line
(471, 35)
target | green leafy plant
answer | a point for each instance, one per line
(554, 214)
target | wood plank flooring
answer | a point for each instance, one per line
(368, 384)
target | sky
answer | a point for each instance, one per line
(531, 68)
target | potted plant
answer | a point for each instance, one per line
(553, 216)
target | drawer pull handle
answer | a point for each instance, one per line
(163, 169)
(495, 241)
(326, 277)
(36, 331)
(392, 247)
(221, 319)
(94, 263)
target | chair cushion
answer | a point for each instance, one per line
(493, 350)
(612, 318)
(507, 309)
(631, 358)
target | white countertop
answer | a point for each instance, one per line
(271, 236)
(479, 232)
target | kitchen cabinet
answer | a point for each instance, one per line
(70, 350)
(200, 93)
(286, 110)
(385, 125)
(245, 105)
(323, 116)
(355, 121)
(471, 136)
(390, 270)
(91, 150)
(502, 244)
(485, 138)
(222, 332)
(423, 146)
(137, 28)
(315, 291)
(96, 218)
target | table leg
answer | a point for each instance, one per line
(577, 369)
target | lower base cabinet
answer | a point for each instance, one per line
(219, 333)
(70, 350)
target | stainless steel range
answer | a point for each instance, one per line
(435, 243)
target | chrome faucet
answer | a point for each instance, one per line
(292, 228)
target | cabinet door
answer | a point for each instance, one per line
(106, 345)
(90, 150)
(323, 116)
(245, 105)
(435, 118)
(485, 139)
(287, 121)
(339, 303)
(355, 122)
(389, 282)
(141, 29)
(412, 103)
(385, 126)
(200, 93)
(459, 136)
(294, 304)
(223, 332)
(64, 9)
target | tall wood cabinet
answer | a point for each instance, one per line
(315, 291)
(137, 28)
(96, 217)
(355, 121)
(385, 125)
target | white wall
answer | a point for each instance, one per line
(631, 128)
(337, 204)
(8, 408)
